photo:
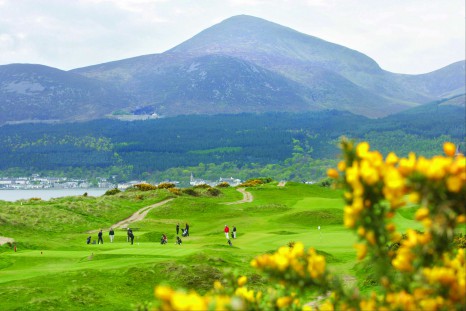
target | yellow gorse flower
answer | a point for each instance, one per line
(242, 281)
(449, 149)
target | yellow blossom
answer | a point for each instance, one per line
(391, 158)
(393, 179)
(390, 227)
(449, 149)
(349, 217)
(368, 173)
(245, 293)
(437, 168)
(414, 197)
(284, 301)
(368, 305)
(242, 280)
(402, 261)
(361, 250)
(282, 262)
(352, 174)
(341, 166)
(370, 237)
(297, 250)
(326, 306)
(357, 205)
(332, 173)
(163, 292)
(218, 285)
(454, 184)
(316, 264)
(362, 149)
(406, 166)
(422, 213)
(191, 301)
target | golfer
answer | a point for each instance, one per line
(227, 231)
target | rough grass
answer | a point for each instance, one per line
(318, 217)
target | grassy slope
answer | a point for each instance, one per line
(52, 268)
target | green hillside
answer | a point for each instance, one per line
(280, 145)
(53, 267)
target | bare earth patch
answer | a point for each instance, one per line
(137, 216)
(4, 240)
(247, 197)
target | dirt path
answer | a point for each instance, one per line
(4, 240)
(139, 215)
(247, 197)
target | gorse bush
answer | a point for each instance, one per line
(175, 191)
(426, 271)
(190, 191)
(213, 192)
(145, 187)
(166, 185)
(112, 191)
(202, 186)
(256, 182)
(223, 184)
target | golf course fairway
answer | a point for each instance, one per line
(54, 269)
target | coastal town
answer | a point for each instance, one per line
(38, 182)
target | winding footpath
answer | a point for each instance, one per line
(140, 214)
(247, 197)
(136, 216)
(4, 240)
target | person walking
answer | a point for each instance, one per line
(111, 234)
(227, 232)
(187, 229)
(177, 228)
(164, 239)
(130, 236)
(234, 232)
(100, 239)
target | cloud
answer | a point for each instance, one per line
(402, 36)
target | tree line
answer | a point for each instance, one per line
(282, 145)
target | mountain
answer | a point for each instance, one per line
(243, 64)
(333, 76)
(442, 83)
(41, 93)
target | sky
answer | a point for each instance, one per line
(402, 36)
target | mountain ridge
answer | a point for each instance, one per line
(293, 72)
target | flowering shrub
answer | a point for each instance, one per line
(256, 182)
(425, 271)
(166, 185)
(223, 184)
(175, 191)
(145, 187)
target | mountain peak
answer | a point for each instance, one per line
(266, 43)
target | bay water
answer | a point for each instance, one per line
(46, 194)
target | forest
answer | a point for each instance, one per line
(279, 145)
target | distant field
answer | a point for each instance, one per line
(53, 267)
